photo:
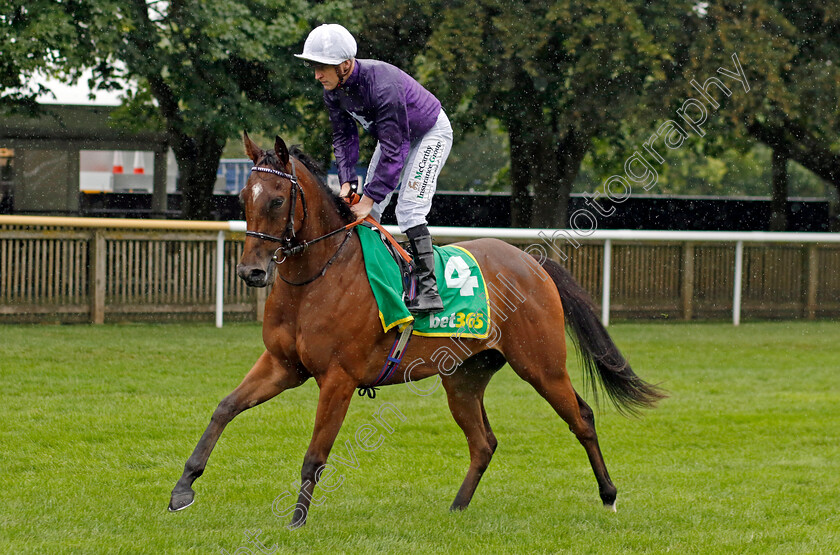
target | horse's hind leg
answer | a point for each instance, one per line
(266, 379)
(491, 437)
(550, 379)
(465, 393)
(596, 459)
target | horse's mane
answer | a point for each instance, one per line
(317, 171)
(320, 177)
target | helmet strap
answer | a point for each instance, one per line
(341, 74)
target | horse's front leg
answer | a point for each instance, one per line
(336, 393)
(267, 378)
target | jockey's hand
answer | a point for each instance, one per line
(345, 190)
(362, 208)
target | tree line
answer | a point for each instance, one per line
(564, 80)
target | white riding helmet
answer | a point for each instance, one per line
(328, 44)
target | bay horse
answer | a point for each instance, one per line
(326, 283)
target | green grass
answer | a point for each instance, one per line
(97, 423)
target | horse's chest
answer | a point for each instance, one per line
(281, 342)
(313, 350)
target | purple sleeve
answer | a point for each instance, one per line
(393, 132)
(345, 140)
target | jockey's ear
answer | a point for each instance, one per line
(251, 149)
(281, 151)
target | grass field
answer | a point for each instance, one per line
(97, 423)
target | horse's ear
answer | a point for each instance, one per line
(281, 150)
(251, 149)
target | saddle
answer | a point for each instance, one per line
(395, 355)
(404, 262)
(390, 272)
(395, 248)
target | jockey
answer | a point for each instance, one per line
(414, 138)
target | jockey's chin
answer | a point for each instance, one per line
(328, 77)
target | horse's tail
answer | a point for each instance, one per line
(600, 356)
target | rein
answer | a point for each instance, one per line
(287, 249)
(323, 270)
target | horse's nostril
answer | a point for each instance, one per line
(251, 275)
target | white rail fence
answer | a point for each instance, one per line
(96, 259)
(548, 237)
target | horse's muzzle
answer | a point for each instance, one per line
(255, 276)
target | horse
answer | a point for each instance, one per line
(323, 280)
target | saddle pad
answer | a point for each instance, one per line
(459, 280)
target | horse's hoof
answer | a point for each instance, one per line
(298, 519)
(181, 500)
(610, 507)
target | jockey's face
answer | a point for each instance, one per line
(328, 75)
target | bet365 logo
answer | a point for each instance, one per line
(458, 320)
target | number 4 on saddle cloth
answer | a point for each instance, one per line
(460, 284)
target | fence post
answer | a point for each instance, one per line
(605, 293)
(96, 277)
(220, 278)
(813, 283)
(736, 293)
(688, 281)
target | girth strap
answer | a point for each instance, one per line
(392, 362)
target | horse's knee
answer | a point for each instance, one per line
(585, 435)
(225, 410)
(481, 456)
(584, 427)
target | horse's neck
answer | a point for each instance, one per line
(286, 302)
(321, 217)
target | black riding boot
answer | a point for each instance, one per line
(427, 300)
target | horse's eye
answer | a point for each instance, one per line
(277, 202)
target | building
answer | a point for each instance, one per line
(48, 162)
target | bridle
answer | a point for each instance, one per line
(289, 233)
(288, 248)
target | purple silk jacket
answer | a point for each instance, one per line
(392, 107)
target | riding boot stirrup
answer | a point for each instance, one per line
(428, 299)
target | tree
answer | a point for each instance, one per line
(205, 70)
(557, 75)
(37, 36)
(395, 31)
(806, 129)
(790, 52)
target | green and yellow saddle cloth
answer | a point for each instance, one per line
(460, 283)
